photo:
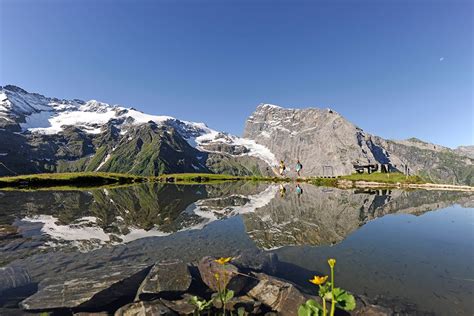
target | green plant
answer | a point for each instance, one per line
(200, 305)
(224, 294)
(338, 297)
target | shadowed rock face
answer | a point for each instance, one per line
(322, 216)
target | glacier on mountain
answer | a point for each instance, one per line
(35, 113)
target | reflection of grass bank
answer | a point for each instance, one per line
(76, 179)
(192, 178)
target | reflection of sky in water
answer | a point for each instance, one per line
(381, 248)
(427, 260)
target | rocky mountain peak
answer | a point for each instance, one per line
(14, 88)
(325, 142)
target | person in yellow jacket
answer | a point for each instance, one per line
(282, 167)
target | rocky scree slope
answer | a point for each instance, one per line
(42, 134)
(329, 145)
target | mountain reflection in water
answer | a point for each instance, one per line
(90, 232)
(88, 220)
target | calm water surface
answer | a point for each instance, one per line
(411, 248)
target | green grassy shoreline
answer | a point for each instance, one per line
(74, 179)
(98, 179)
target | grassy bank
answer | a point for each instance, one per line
(95, 179)
(391, 178)
(196, 177)
(76, 179)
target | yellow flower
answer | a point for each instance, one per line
(318, 280)
(216, 276)
(223, 260)
(332, 262)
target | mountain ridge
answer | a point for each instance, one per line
(44, 134)
(76, 135)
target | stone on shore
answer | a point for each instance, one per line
(227, 276)
(88, 289)
(282, 297)
(250, 305)
(182, 306)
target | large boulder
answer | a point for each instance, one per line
(87, 290)
(166, 278)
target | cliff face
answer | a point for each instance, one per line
(329, 145)
(325, 142)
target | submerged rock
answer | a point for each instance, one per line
(166, 278)
(257, 260)
(372, 310)
(13, 277)
(144, 309)
(92, 289)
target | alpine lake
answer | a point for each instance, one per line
(413, 249)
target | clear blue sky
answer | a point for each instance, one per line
(395, 68)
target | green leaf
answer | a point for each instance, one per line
(205, 305)
(229, 295)
(310, 308)
(344, 300)
(240, 311)
(200, 304)
(324, 289)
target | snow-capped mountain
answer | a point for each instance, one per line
(40, 121)
(42, 134)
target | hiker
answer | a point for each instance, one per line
(282, 190)
(299, 190)
(282, 168)
(299, 166)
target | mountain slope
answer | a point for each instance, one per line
(52, 135)
(42, 134)
(329, 145)
(325, 142)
